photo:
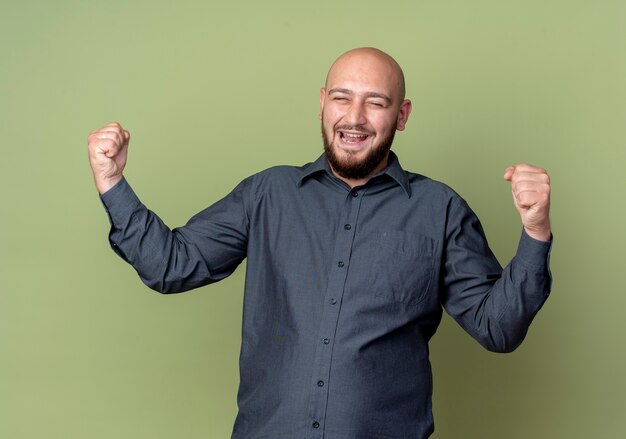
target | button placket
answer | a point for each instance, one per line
(321, 383)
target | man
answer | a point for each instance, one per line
(350, 259)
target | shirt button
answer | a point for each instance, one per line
(326, 341)
(316, 424)
(320, 383)
(333, 301)
(347, 226)
(340, 264)
(354, 194)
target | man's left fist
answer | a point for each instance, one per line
(531, 194)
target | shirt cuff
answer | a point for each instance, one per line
(533, 252)
(120, 202)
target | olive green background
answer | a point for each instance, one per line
(214, 91)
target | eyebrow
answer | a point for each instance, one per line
(369, 94)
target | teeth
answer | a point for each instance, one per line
(352, 137)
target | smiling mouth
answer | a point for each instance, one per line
(352, 138)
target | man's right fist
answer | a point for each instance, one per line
(108, 149)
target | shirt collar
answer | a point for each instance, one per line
(393, 170)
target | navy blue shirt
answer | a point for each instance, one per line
(344, 288)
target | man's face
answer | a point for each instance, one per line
(361, 108)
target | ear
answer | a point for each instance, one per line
(322, 98)
(403, 114)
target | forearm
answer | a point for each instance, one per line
(163, 258)
(498, 311)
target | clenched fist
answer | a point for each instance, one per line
(530, 186)
(108, 149)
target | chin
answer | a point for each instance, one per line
(356, 163)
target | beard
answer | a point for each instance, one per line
(352, 168)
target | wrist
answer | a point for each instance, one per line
(539, 235)
(105, 184)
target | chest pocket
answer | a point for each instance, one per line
(404, 267)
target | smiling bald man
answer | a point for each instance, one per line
(350, 262)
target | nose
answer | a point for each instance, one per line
(355, 114)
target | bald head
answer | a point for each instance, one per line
(366, 62)
(361, 108)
